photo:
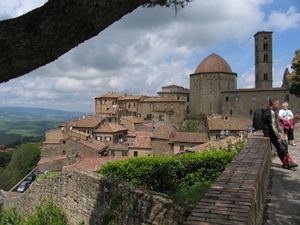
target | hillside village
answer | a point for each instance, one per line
(127, 125)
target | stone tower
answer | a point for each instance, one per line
(263, 59)
(212, 76)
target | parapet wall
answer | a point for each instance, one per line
(86, 196)
(238, 195)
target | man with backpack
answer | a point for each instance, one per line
(271, 129)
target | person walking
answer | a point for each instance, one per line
(272, 130)
(286, 119)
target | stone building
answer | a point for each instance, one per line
(176, 92)
(213, 88)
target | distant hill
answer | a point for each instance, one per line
(23, 124)
(41, 111)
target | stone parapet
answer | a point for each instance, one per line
(238, 195)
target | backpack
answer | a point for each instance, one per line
(258, 122)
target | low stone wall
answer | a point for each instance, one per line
(238, 195)
(86, 196)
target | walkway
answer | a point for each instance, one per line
(284, 203)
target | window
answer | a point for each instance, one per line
(139, 105)
(172, 147)
(178, 97)
(181, 148)
(166, 105)
(105, 102)
(250, 112)
(265, 76)
(230, 111)
(64, 142)
(171, 105)
(161, 118)
(64, 152)
(210, 86)
(107, 138)
(135, 153)
(265, 46)
(226, 98)
(151, 105)
(287, 98)
(128, 105)
(253, 98)
(237, 98)
(187, 99)
(99, 138)
(124, 153)
(265, 58)
(157, 106)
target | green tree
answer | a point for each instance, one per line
(294, 77)
(24, 159)
(55, 28)
(190, 126)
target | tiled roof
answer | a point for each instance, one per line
(141, 142)
(110, 127)
(189, 137)
(109, 95)
(219, 124)
(162, 131)
(173, 86)
(87, 122)
(213, 63)
(51, 142)
(132, 119)
(92, 163)
(96, 145)
(162, 99)
(130, 97)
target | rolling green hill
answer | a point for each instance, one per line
(20, 124)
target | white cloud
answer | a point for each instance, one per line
(151, 48)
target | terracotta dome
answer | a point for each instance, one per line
(213, 63)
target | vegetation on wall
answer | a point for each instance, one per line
(45, 214)
(169, 174)
(24, 159)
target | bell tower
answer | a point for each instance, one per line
(263, 59)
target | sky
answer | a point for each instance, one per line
(151, 48)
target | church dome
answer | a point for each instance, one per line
(213, 63)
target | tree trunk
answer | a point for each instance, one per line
(42, 35)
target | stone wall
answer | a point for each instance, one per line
(238, 195)
(86, 196)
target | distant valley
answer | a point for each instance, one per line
(22, 124)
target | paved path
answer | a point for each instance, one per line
(284, 205)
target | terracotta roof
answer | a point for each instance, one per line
(162, 131)
(190, 137)
(110, 127)
(91, 163)
(161, 99)
(51, 142)
(237, 124)
(96, 145)
(109, 95)
(132, 119)
(141, 142)
(213, 63)
(87, 121)
(130, 97)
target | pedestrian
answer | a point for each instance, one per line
(286, 119)
(271, 129)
